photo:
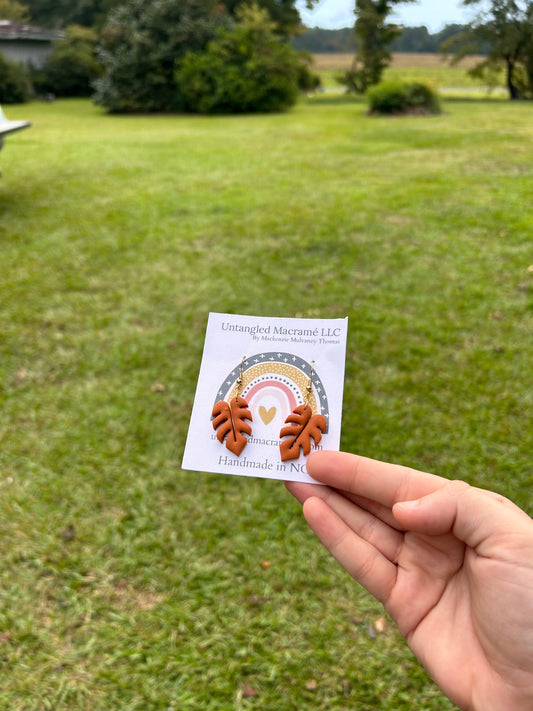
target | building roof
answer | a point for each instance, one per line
(10, 30)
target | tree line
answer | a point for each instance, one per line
(236, 55)
(203, 56)
(411, 39)
(56, 14)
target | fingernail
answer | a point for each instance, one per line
(408, 505)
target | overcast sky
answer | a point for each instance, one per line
(435, 14)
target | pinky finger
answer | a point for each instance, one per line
(358, 557)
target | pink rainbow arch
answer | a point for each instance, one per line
(273, 384)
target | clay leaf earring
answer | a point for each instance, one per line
(229, 419)
(302, 427)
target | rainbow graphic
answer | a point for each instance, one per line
(274, 384)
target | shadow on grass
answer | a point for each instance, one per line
(336, 99)
(23, 195)
(14, 200)
(343, 99)
(474, 99)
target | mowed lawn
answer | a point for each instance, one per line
(127, 583)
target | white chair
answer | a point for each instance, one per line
(7, 127)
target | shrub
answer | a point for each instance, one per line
(15, 84)
(308, 81)
(387, 98)
(403, 98)
(246, 69)
(72, 67)
(141, 45)
(423, 97)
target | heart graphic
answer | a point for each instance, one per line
(267, 415)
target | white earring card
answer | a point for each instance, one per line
(270, 362)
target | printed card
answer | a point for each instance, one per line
(276, 365)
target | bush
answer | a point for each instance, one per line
(15, 84)
(141, 45)
(423, 97)
(308, 81)
(246, 69)
(72, 67)
(403, 98)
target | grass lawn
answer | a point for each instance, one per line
(129, 584)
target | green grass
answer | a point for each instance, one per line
(127, 583)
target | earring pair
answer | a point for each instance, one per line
(231, 423)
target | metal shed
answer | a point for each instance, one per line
(26, 43)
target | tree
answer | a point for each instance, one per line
(72, 67)
(411, 39)
(15, 85)
(505, 30)
(61, 13)
(320, 41)
(283, 13)
(373, 36)
(93, 13)
(142, 44)
(245, 69)
(12, 10)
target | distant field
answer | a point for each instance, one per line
(432, 68)
(400, 60)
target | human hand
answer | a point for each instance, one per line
(452, 564)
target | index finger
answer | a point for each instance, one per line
(384, 483)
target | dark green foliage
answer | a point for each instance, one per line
(387, 98)
(60, 13)
(419, 39)
(411, 39)
(321, 41)
(282, 12)
(15, 85)
(93, 13)
(142, 42)
(403, 98)
(505, 31)
(72, 67)
(308, 81)
(423, 98)
(374, 37)
(246, 69)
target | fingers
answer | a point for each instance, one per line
(473, 515)
(378, 481)
(304, 491)
(370, 527)
(301, 492)
(358, 556)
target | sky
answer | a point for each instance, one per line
(434, 14)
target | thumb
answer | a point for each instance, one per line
(473, 515)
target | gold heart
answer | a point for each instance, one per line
(267, 415)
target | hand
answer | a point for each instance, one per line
(452, 564)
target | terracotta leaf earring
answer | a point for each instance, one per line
(303, 427)
(229, 419)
